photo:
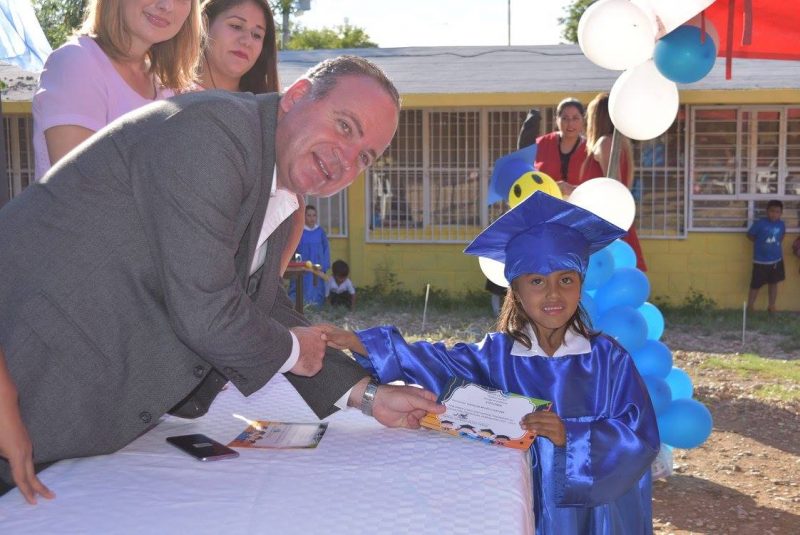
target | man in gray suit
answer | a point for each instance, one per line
(143, 273)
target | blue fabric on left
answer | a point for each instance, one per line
(22, 41)
(313, 246)
(599, 483)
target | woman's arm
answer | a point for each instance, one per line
(62, 139)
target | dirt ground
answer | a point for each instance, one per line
(744, 479)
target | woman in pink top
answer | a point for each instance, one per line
(129, 53)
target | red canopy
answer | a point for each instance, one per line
(759, 29)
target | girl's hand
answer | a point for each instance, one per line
(546, 424)
(342, 338)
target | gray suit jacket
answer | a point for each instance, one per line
(124, 278)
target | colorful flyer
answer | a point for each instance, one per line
(279, 435)
(485, 414)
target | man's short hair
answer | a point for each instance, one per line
(324, 75)
(775, 202)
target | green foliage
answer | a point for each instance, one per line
(59, 18)
(569, 22)
(344, 36)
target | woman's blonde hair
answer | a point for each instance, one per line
(598, 124)
(174, 61)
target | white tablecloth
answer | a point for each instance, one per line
(362, 478)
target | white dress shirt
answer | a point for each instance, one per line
(281, 205)
(574, 344)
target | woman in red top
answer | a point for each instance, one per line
(599, 130)
(560, 154)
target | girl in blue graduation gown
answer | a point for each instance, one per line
(591, 458)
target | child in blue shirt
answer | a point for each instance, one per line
(767, 236)
(592, 453)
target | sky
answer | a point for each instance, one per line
(399, 23)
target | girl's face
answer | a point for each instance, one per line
(154, 21)
(235, 40)
(570, 122)
(549, 300)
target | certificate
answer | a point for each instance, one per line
(485, 414)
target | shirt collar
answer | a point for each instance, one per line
(574, 344)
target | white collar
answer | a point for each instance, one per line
(315, 227)
(574, 344)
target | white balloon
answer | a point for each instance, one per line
(642, 102)
(669, 15)
(494, 270)
(607, 198)
(616, 34)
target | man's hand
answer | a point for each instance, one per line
(398, 406)
(312, 349)
(15, 446)
(342, 338)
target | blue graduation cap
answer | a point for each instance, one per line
(544, 234)
(507, 169)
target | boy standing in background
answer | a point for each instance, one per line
(767, 236)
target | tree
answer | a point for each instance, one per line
(59, 18)
(573, 15)
(344, 36)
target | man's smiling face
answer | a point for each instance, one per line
(324, 143)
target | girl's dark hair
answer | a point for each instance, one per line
(513, 319)
(263, 75)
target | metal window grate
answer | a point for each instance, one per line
(331, 213)
(659, 185)
(743, 156)
(19, 151)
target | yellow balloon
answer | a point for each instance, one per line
(530, 182)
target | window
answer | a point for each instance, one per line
(430, 184)
(741, 157)
(19, 151)
(331, 213)
(659, 183)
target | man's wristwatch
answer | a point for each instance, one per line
(368, 398)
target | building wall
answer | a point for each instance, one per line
(716, 264)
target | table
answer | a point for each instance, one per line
(362, 478)
(297, 273)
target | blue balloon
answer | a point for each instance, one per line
(655, 320)
(681, 56)
(680, 383)
(601, 267)
(588, 304)
(622, 253)
(685, 423)
(625, 325)
(627, 287)
(653, 358)
(659, 391)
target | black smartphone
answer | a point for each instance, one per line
(202, 447)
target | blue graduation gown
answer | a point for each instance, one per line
(599, 482)
(313, 246)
